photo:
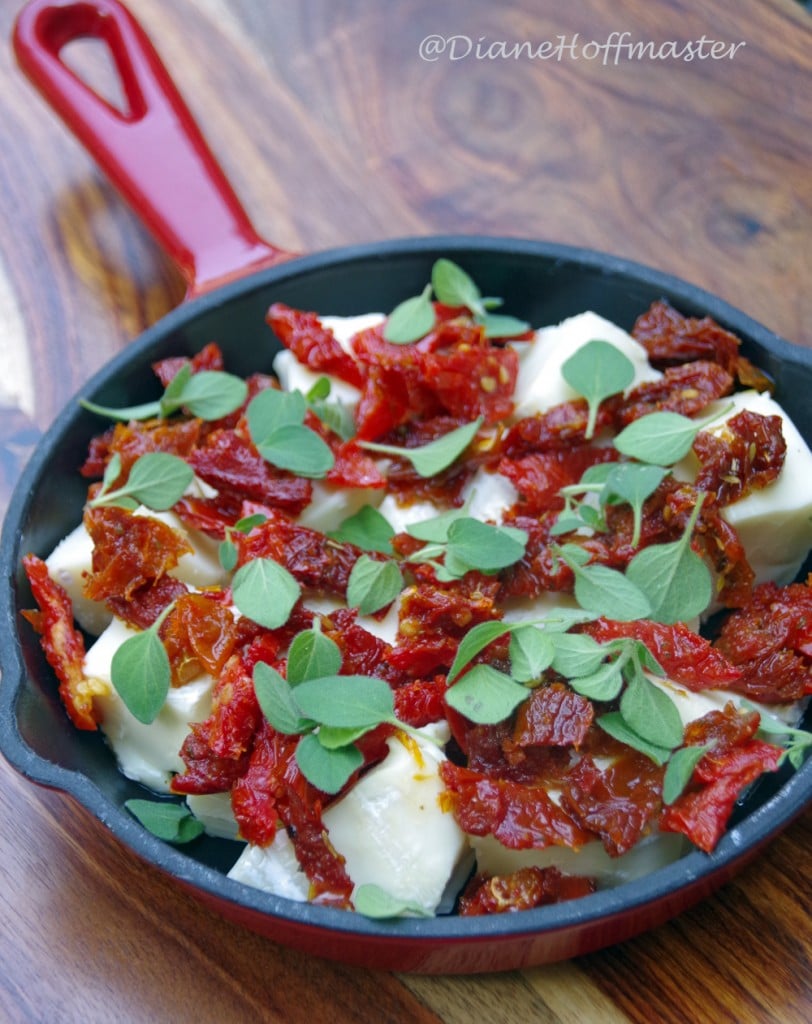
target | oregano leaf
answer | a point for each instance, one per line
(265, 592)
(312, 654)
(327, 769)
(597, 371)
(172, 822)
(373, 584)
(485, 695)
(411, 319)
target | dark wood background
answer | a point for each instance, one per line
(334, 130)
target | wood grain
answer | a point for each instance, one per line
(334, 131)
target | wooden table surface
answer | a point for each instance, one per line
(335, 128)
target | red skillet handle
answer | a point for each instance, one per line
(153, 152)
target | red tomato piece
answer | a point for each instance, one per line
(520, 817)
(313, 344)
(208, 358)
(615, 803)
(231, 464)
(684, 389)
(522, 890)
(748, 457)
(129, 551)
(62, 644)
(685, 657)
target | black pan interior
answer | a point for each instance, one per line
(543, 284)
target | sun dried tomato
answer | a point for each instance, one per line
(62, 644)
(686, 657)
(617, 802)
(492, 750)
(132, 440)
(433, 618)
(316, 561)
(362, 653)
(314, 345)
(329, 882)
(538, 570)
(143, 606)
(669, 337)
(747, 456)
(520, 817)
(273, 791)
(702, 814)
(770, 641)
(199, 635)
(230, 463)
(522, 890)
(558, 428)
(554, 716)
(209, 515)
(454, 371)
(685, 389)
(421, 701)
(208, 358)
(206, 772)
(539, 476)
(129, 551)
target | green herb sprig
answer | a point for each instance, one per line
(415, 317)
(597, 371)
(172, 822)
(467, 544)
(276, 426)
(157, 480)
(432, 458)
(141, 673)
(797, 742)
(329, 712)
(208, 394)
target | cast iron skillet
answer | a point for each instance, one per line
(233, 276)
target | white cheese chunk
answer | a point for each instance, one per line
(330, 505)
(775, 523)
(488, 496)
(67, 565)
(213, 811)
(295, 377)
(591, 861)
(146, 753)
(344, 327)
(391, 829)
(540, 384)
(273, 869)
(199, 569)
(400, 517)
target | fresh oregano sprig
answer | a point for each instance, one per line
(415, 317)
(373, 584)
(265, 592)
(157, 480)
(208, 395)
(329, 713)
(172, 822)
(597, 371)
(432, 458)
(796, 742)
(276, 426)
(467, 544)
(141, 673)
